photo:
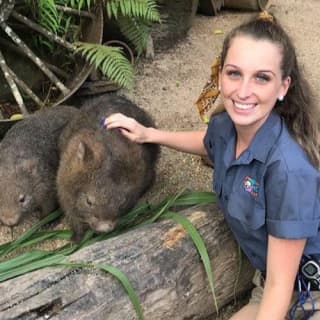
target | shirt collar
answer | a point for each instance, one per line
(262, 142)
(266, 137)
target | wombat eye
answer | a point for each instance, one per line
(21, 198)
(89, 202)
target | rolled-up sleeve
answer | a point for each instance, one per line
(293, 210)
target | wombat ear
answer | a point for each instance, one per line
(84, 153)
(81, 151)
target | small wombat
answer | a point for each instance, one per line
(28, 164)
(101, 173)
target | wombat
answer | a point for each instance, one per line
(102, 174)
(28, 164)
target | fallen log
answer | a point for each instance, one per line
(162, 264)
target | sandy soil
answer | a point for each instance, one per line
(169, 85)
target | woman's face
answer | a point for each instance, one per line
(251, 81)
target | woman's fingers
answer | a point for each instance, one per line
(129, 127)
(117, 120)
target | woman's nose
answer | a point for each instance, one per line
(244, 89)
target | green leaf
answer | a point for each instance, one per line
(32, 266)
(143, 9)
(110, 60)
(136, 31)
(126, 284)
(11, 246)
(197, 240)
(22, 259)
(117, 273)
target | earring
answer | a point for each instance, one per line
(280, 98)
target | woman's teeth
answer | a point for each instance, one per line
(244, 106)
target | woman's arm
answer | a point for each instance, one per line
(188, 141)
(283, 258)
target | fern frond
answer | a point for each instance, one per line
(142, 9)
(48, 15)
(110, 61)
(79, 4)
(136, 31)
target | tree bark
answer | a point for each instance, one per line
(162, 264)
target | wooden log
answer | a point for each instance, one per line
(162, 264)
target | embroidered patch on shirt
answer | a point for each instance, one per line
(251, 186)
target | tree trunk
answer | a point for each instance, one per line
(162, 264)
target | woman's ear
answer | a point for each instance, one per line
(285, 86)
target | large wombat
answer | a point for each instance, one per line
(28, 164)
(101, 173)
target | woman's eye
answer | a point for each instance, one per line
(233, 73)
(262, 78)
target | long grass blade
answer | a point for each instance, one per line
(198, 241)
(34, 265)
(11, 246)
(126, 284)
(117, 273)
(22, 259)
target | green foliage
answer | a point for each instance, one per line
(145, 9)
(134, 18)
(77, 4)
(110, 60)
(200, 245)
(136, 31)
(48, 15)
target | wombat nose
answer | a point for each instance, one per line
(10, 221)
(104, 226)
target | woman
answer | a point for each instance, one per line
(265, 150)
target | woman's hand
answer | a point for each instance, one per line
(129, 127)
(185, 141)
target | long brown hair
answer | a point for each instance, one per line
(298, 108)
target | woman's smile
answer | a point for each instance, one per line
(244, 106)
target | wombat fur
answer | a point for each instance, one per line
(101, 173)
(28, 164)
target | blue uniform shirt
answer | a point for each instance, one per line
(272, 188)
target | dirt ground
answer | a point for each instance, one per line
(168, 86)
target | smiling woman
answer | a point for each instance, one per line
(265, 151)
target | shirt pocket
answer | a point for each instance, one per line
(247, 211)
